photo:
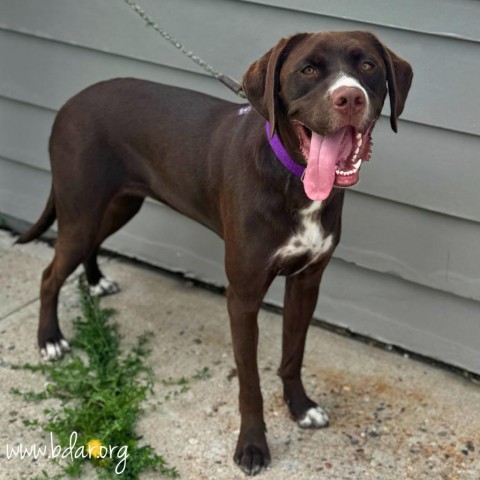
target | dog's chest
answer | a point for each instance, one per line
(308, 241)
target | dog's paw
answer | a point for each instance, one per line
(252, 454)
(252, 459)
(55, 350)
(315, 417)
(104, 287)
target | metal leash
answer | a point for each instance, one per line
(230, 82)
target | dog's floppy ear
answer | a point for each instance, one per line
(399, 80)
(261, 80)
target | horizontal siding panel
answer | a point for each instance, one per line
(427, 167)
(24, 133)
(422, 247)
(232, 34)
(23, 190)
(63, 70)
(426, 321)
(106, 26)
(450, 18)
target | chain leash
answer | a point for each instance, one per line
(229, 82)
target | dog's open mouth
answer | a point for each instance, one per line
(334, 159)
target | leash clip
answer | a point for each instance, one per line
(232, 84)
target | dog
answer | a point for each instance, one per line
(269, 178)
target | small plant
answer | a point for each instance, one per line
(101, 395)
(203, 374)
(183, 383)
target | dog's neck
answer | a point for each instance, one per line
(282, 154)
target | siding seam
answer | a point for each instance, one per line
(450, 36)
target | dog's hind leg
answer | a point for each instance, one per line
(119, 212)
(73, 244)
(100, 285)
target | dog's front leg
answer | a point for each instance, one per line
(252, 452)
(301, 295)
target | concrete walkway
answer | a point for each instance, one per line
(392, 418)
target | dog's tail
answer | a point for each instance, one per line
(43, 223)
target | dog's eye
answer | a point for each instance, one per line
(367, 66)
(308, 70)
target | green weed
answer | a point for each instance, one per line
(101, 391)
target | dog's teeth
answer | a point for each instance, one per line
(359, 135)
(359, 142)
(357, 164)
(356, 152)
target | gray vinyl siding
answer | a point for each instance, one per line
(408, 267)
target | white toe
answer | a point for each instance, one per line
(64, 345)
(55, 351)
(315, 417)
(109, 285)
(51, 352)
(105, 286)
(96, 290)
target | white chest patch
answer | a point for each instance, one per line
(309, 237)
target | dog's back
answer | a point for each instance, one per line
(145, 139)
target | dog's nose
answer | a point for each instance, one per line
(348, 100)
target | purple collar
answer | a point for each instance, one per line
(280, 152)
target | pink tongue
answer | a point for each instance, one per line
(324, 155)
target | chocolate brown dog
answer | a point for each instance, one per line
(268, 180)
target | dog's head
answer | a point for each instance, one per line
(322, 93)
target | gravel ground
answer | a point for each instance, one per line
(392, 418)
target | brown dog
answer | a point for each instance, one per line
(270, 190)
